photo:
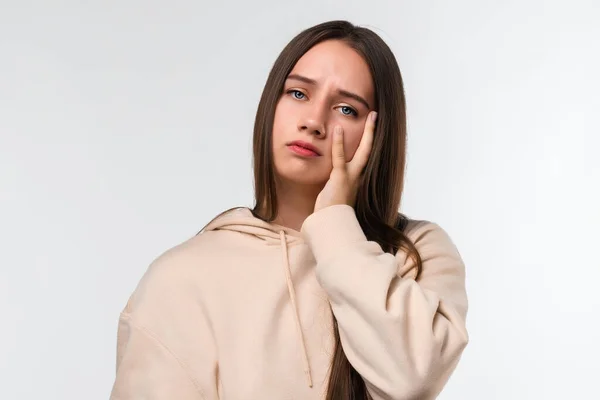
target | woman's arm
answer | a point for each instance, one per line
(147, 369)
(404, 337)
(165, 348)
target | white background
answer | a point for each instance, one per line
(125, 126)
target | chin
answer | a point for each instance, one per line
(302, 175)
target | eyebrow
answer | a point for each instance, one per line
(341, 92)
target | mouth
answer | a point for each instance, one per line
(304, 149)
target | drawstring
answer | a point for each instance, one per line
(290, 285)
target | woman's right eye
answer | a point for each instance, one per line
(297, 94)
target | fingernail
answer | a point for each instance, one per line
(337, 130)
(374, 116)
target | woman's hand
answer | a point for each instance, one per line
(342, 186)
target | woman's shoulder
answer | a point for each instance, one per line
(191, 253)
(432, 241)
(178, 272)
(421, 231)
(197, 253)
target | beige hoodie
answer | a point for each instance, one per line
(243, 311)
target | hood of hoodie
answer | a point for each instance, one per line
(242, 220)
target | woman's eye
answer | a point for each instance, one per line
(348, 111)
(297, 94)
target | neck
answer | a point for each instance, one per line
(295, 203)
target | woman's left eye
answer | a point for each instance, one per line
(348, 111)
(297, 94)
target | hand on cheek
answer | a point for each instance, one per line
(342, 185)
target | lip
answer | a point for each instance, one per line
(305, 145)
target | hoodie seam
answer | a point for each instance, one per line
(152, 336)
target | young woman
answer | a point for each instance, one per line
(322, 290)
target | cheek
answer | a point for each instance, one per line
(281, 121)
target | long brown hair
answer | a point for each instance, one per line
(380, 190)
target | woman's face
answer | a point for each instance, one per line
(330, 85)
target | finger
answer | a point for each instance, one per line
(337, 148)
(359, 161)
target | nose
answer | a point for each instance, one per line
(313, 122)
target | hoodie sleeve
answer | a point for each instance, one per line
(147, 369)
(165, 349)
(404, 337)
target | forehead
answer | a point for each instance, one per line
(334, 62)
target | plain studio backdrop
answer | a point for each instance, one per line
(125, 126)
